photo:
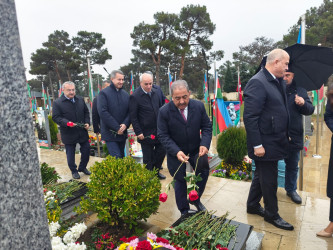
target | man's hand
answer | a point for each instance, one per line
(202, 151)
(182, 157)
(299, 100)
(86, 126)
(122, 127)
(260, 152)
(141, 136)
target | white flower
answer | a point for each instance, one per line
(68, 237)
(73, 246)
(53, 228)
(78, 229)
(57, 244)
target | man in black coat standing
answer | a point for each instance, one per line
(178, 127)
(112, 106)
(71, 114)
(266, 123)
(299, 104)
(144, 107)
(95, 115)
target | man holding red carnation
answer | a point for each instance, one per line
(144, 107)
(72, 115)
(178, 128)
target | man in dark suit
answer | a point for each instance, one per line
(112, 106)
(299, 104)
(95, 116)
(144, 106)
(266, 123)
(179, 125)
(68, 109)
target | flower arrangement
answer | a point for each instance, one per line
(202, 231)
(236, 172)
(192, 187)
(152, 242)
(53, 214)
(131, 142)
(105, 242)
(49, 175)
(93, 140)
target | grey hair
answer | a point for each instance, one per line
(114, 72)
(68, 83)
(179, 84)
(106, 82)
(276, 54)
(146, 73)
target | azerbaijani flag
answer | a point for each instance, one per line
(318, 94)
(299, 34)
(60, 89)
(205, 88)
(170, 80)
(44, 96)
(239, 89)
(221, 117)
(132, 84)
(30, 99)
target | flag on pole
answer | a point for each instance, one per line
(170, 80)
(299, 34)
(48, 96)
(98, 86)
(239, 89)
(44, 96)
(205, 88)
(318, 95)
(221, 117)
(60, 89)
(132, 84)
(35, 103)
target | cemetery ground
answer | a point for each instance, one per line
(226, 195)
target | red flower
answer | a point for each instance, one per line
(187, 233)
(45, 190)
(70, 124)
(163, 197)
(89, 140)
(98, 246)
(152, 137)
(143, 245)
(193, 195)
(123, 239)
(159, 239)
(131, 238)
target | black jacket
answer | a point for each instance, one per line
(143, 113)
(266, 116)
(64, 111)
(112, 106)
(295, 115)
(328, 117)
(95, 117)
(175, 134)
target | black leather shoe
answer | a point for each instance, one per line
(259, 211)
(295, 197)
(198, 205)
(76, 175)
(160, 176)
(280, 223)
(86, 171)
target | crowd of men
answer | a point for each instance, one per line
(182, 130)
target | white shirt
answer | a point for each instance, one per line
(185, 112)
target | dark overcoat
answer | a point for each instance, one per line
(112, 106)
(295, 113)
(177, 135)
(95, 117)
(144, 112)
(266, 116)
(328, 117)
(64, 111)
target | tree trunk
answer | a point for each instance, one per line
(69, 75)
(157, 67)
(57, 71)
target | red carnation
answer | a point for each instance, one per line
(152, 137)
(163, 197)
(143, 245)
(159, 239)
(131, 238)
(123, 239)
(193, 195)
(70, 124)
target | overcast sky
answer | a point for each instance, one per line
(238, 22)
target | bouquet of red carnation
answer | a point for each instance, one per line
(77, 124)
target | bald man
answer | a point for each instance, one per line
(266, 121)
(144, 107)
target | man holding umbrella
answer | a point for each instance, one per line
(299, 104)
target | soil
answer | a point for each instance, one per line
(116, 232)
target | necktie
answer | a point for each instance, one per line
(149, 93)
(72, 100)
(183, 115)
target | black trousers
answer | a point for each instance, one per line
(85, 154)
(264, 184)
(153, 155)
(180, 183)
(331, 210)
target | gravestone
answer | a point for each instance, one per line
(23, 221)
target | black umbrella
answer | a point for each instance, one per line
(312, 65)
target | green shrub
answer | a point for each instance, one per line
(231, 145)
(53, 131)
(105, 150)
(225, 98)
(121, 191)
(49, 175)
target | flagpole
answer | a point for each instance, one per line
(90, 82)
(215, 103)
(169, 80)
(240, 109)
